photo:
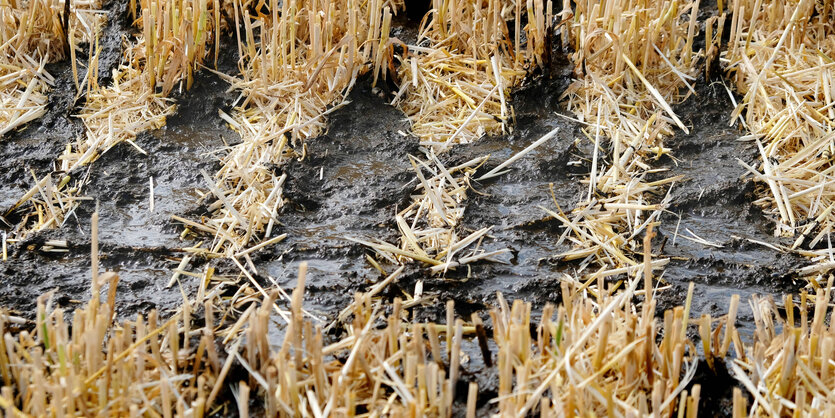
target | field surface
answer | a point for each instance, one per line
(220, 206)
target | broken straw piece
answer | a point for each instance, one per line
(496, 171)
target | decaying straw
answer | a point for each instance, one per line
(32, 34)
(780, 57)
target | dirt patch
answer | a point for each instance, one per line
(142, 246)
(35, 146)
(351, 184)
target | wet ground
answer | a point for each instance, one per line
(143, 246)
(714, 203)
(35, 146)
(357, 176)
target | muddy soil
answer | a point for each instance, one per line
(357, 176)
(353, 181)
(36, 145)
(715, 203)
(143, 246)
(366, 178)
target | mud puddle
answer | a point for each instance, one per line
(354, 179)
(714, 204)
(139, 244)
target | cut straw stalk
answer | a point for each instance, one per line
(296, 77)
(455, 90)
(597, 343)
(387, 370)
(497, 170)
(67, 372)
(795, 357)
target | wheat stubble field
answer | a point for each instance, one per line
(417, 208)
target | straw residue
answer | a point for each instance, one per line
(455, 84)
(32, 34)
(633, 59)
(455, 81)
(788, 369)
(429, 226)
(175, 38)
(596, 355)
(780, 58)
(298, 66)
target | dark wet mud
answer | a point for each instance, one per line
(355, 178)
(714, 203)
(512, 204)
(365, 178)
(143, 246)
